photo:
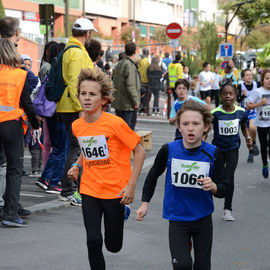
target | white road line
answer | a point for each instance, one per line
(32, 195)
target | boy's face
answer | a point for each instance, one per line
(207, 68)
(192, 128)
(90, 97)
(181, 91)
(27, 64)
(186, 70)
(248, 77)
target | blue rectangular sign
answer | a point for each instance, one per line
(226, 50)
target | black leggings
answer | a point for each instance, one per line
(263, 134)
(230, 159)
(180, 234)
(113, 211)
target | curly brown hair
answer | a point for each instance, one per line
(264, 72)
(100, 77)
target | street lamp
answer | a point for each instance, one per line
(227, 22)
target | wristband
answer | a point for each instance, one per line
(76, 164)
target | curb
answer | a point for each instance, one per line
(153, 121)
(47, 206)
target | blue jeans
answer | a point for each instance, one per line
(60, 143)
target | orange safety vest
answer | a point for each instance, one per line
(11, 86)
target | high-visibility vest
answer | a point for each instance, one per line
(11, 86)
(24, 123)
(173, 76)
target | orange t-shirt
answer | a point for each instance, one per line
(106, 145)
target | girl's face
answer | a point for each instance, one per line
(192, 128)
(181, 91)
(27, 64)
(90, 97)
(228, 95)
(186, 70)
(207, 68)
(248, 77)
(266, 81)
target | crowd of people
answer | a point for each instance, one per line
(81, 151)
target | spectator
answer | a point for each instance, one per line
(100, 63)
(167, 60)
(108, 55)
(107, 69)
(154, 75)
(68, 108)
(127, 86)
(175, 72)
(228, 76)
(11, 130)
(234, 70)
(93, 48)
(121, 56)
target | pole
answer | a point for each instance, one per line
(134, 13)
(83, 8)
(47, 34)
(66, 17)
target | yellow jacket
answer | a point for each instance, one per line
(143, 66)
(235, 72)
(74, 59)
(175, 73)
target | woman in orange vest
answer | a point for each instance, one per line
(14, 100)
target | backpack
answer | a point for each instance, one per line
(55, 85)
(41, 104)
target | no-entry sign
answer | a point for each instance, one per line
(173, 30)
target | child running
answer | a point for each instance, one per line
(107, 181)
(226, 121)
(260, 99)
(244, 91)
(195, 171)
(181, 90)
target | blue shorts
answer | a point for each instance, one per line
(251, 114)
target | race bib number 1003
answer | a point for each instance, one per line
(228, 127)
(94, 147)
(184, 173)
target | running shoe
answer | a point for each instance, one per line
(18, 222)
(34, 174)
(74, 198)
(54, 189)
(250, 158)
(265, 171)
(22, 212)
(255, 150)
(127, 213)
(42, 183)
(228, 215)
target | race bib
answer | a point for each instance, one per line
(94, 147)
(228, 127)
(266, 111)
(184, 173)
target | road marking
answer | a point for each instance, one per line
(148, 162)
(32, 195)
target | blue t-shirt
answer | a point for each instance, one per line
(178, 104)
(184, 198)
(226, 127)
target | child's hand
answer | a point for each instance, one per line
(264, 101)
(208, 184)
(73, 173)
(244, 92)
(128, 193)
(142, 211)
(172, 121)
(249, 143)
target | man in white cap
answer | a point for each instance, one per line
(68, 108)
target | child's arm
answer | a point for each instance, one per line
(208, 184)
(149, 186)
(74, 171)
(246, 135)
(129, 190)
(172, 118)
(250, 105)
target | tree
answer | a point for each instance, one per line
(263, 58)
(160, 35)
(2, 10)
(209, 42)
(126, 35)
(256, 39)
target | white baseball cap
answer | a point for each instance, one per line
(83, 24)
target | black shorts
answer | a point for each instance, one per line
(205, 94)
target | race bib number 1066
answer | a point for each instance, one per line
(184, 173)
(94, 147)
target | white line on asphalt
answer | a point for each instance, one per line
(31, 195)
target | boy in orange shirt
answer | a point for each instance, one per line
(107, 181)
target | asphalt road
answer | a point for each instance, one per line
(56, 239)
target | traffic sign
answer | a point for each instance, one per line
(224, 64)
(173, 30)
(226, 50)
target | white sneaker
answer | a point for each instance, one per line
(228, 215)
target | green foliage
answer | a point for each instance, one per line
(126, 35)
(209, 42)
(256, 39)
(263, 58)
(2, 10)
(193, 64)
(160, 35)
